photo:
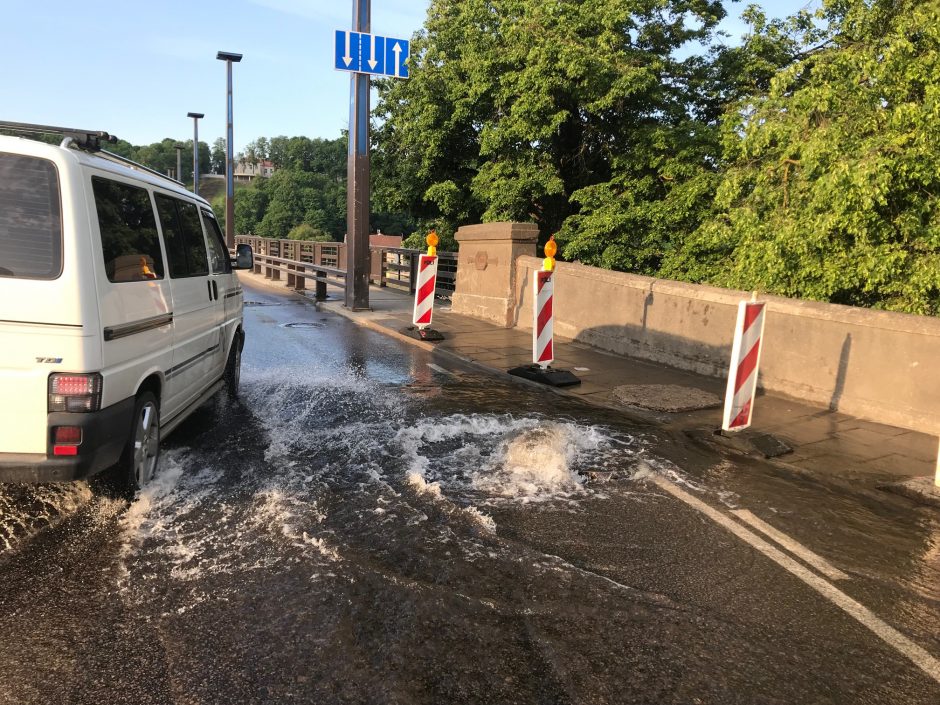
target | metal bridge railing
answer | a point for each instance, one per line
(325, 263)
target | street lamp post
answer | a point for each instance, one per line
(179, 160)
(195, 117)
(229, 58)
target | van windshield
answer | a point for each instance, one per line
(30, 218)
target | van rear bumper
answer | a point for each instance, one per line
(104, 434)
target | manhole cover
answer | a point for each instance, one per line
(262, 303)
(305, 324)
(673, 398)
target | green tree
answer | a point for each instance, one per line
(832, 190)
(217, 156)
(295, 197)
(251, 203)
(305, 231)
(418, 239)
(662, 187)
(255, 151)
(514, 106)
(161, 156)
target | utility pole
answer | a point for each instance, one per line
(357, 177)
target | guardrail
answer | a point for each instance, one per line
(325, 264)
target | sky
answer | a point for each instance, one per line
(135, 69)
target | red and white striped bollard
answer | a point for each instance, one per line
(936, 477)
(543, 328)
(543, 321)
(425, 285)
(745, 364)
(424, 291)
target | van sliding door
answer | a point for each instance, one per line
(229, 288)
(196, 340)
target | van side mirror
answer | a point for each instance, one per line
(244, 257)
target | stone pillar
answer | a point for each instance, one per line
(486, 269)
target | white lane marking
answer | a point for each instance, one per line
(437, 368)
(797, 549)
(891, 636)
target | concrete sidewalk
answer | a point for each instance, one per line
(824, 443)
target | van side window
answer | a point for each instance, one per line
(218, 252)
(30, 218)
(182, 233)
(128, 232)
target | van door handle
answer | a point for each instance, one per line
(215, 290)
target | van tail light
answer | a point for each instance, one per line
(74, 392)
(66, 440)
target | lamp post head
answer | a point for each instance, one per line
(195, 115)
(228, 56)
(179, 146)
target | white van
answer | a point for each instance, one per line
(120, 313)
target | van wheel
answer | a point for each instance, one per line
(139, 459)
(233, 368)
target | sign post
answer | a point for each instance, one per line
(363, 54)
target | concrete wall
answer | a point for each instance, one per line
(871, 364)
(486, 271)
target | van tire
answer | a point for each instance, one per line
(138, 462)
(233, 368)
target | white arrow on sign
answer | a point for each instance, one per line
(372, 62)
(397, 50)
(347, 59)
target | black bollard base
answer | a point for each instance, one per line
(764, 443)
(547, 375)
(428, 334)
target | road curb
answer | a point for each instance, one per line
(920, 489)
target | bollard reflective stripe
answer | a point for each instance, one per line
(745, 364)
(936, 477)
(424, 291)
(543, 328)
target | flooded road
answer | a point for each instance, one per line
(371, 524)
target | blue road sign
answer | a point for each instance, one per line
(372, 54)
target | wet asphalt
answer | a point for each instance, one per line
(369, 523)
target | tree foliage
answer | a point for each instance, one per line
(832, 184)
(305, 231)
(803, 161)
(161, 156)
(514, 106)
(218, 155)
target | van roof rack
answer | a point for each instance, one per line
(88, 140)
(136, 165)
(83, 139)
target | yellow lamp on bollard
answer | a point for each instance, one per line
(432, 241)
(548, 264)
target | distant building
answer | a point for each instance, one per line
(381, 240)
(247, 171)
